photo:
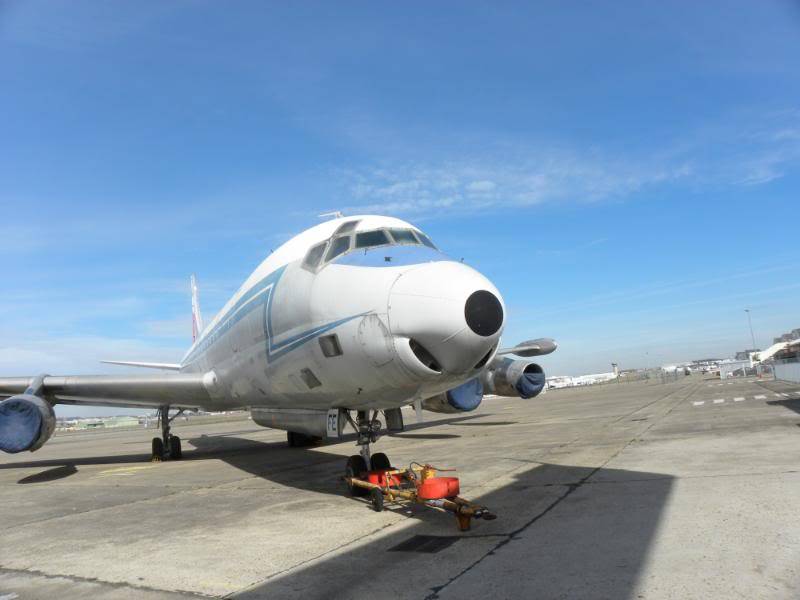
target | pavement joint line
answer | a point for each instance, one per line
(571, 488)
(95, 580)
(261, 582)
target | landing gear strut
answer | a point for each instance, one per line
(368, 430)
(167, 446)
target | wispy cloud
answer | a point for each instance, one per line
(741, 149)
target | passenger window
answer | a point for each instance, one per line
(339, 246)
(369, 239)
(425, 240)
(314, 256)
(403, 236)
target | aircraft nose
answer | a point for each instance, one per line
(448, 314)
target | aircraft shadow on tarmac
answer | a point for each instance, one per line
(581, 531)
(563, 531)
(578, 533)
(206, 448)
(790, 404)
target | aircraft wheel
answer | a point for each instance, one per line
(158, 450)
(175, 452)
(379, 461)
(376, 496)
(355, 467)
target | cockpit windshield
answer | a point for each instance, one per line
(345, 240)
(426, 240)
(370, 239)
(403, 236)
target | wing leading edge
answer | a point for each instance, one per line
(179, 390)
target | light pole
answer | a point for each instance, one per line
(752, 339)
(750, 322)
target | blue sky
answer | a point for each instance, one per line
(626, 173)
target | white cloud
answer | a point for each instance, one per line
(423, 190)
(739, 149)
(480, 187)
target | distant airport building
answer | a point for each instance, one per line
(736, 368)
(561, 381)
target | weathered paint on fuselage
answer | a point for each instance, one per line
(264, 342)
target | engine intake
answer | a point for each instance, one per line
(509, 377)
(26, 423)
(464, 398)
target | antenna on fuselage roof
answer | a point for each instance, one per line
(336, 214)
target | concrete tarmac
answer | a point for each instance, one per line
(689, 489)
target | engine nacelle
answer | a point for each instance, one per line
(509, 377)
(464, 398)
(26, 423)
(316, 423)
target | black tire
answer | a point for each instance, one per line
(379, 461)
(158, 449)
(356, 466)
(376, 496)
(175, 452)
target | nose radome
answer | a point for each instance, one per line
(483, 313)
(449, 310)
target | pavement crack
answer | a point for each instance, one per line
(310, 560)
(95, 580)
(571, 488)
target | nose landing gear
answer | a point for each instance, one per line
(368, 430)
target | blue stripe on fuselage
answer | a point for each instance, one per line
(391, 256)
(260, 295)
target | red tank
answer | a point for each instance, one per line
(436, 488)
(378, 477)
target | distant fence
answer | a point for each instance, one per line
(788, 371)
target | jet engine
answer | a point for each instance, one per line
(26, 423)
(464, 398)
(509, 377)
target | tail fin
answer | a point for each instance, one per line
(197, 318)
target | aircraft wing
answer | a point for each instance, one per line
(179, 390)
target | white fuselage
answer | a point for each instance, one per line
(378, 326)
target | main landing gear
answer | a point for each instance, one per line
(167, 446)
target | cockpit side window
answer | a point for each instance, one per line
(346, 227)
(403, 236)
(339, 246)
(425, 240)
(370, 239)
(314, 256)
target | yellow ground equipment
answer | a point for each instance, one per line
(419, 484)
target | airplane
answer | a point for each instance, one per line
(352, 317)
